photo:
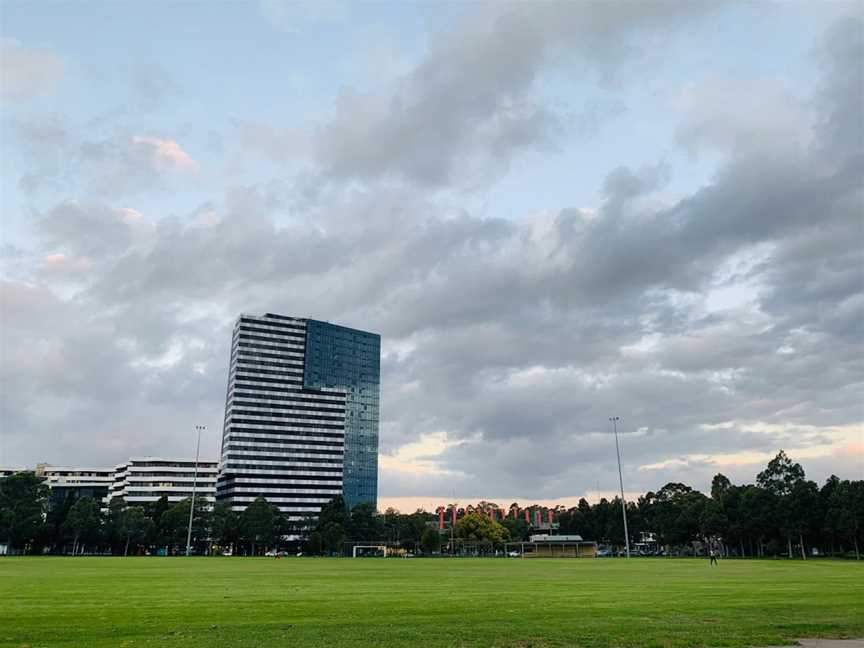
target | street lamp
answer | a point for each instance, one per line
(615, 420)
(199, 429)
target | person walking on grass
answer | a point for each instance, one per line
(713, 555)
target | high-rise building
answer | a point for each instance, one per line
(146, 479)
(301, 415)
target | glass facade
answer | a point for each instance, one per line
(349, 360)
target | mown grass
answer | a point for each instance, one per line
(240, 602)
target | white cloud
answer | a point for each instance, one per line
(164, 154)
(26, 72)
(419, 457)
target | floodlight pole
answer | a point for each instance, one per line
(615, 420)
(198, 428)
(452, 528)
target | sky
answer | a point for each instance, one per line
(553, 213)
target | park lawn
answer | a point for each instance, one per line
(297, 602)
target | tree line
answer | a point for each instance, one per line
(78, 526)
(782, 513)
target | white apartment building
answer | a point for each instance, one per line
(65, 476)
(146, 479)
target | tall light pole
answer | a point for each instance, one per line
(615, 420)
(199, 429)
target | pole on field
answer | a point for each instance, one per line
(198, 428)
(615, 420)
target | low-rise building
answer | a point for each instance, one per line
(65, 481)
(147, 479)
(553, 546)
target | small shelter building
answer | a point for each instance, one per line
(554, 546)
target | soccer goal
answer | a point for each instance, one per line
(363, 551)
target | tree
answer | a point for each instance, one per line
(333, 519)
(413, 526)
(846, 512)
(392, 525)
(315, 544)
(730, 503)
(719, 485)
(332, 537)
(224, 525)
(135, 526)
(430, 541)
(334, 511)
(480, 528)
(83, 523)
(802, 511)
(23, 501)
(363, 524)
(713, 523)
(676, 514)
(517, 528)
(113, 524)
(759, 512)
(156, 510)
(780, 478)
(780, 475)
(829, 531)
(260, 524)
(174, 523)
(54, 519)
(576, 520)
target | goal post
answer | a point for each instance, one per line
(381, 548)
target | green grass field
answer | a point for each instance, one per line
(214, 602)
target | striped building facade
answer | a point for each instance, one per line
(301, 415)
(146, 479)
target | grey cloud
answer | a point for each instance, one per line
(468, 107)
(516, 338)
(90, 230)
(737, 116)
(623, 184)
(86, 398)
(841, 54)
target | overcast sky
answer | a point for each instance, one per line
(552, 214)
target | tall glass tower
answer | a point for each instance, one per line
(301, 415)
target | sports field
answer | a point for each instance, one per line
(234, 602)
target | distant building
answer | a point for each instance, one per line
(147, 479)
(553, 546)
(67, 482)
(8, 472)
(301, 415)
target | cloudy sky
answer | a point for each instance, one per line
(552, 212)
